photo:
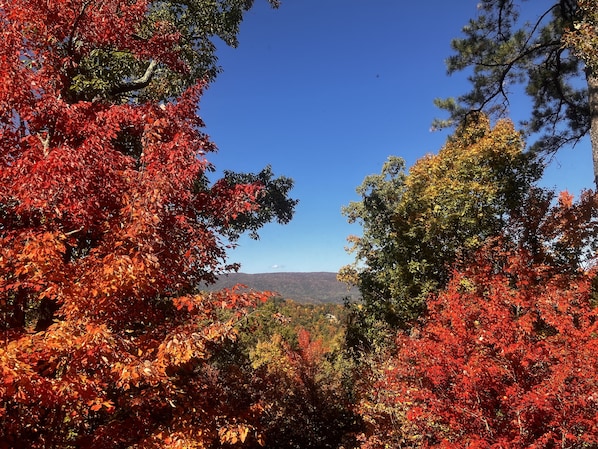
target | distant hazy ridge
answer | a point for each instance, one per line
(317, 287)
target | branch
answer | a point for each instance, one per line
(137, 84)
(45, 140)
(75, 26)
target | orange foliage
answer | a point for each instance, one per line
(105, 341)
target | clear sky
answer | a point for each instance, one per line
(324, 91)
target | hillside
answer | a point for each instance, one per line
(316, 287)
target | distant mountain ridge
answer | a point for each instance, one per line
(311, 287)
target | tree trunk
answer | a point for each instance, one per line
(15, 318)
(47, 310)
(593, 104)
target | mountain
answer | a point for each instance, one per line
(316, 287)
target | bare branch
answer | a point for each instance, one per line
(75, 26)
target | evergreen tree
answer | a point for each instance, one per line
(553, 55)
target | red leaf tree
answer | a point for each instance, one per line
(108, 225)
(304, 393)
(507, 356)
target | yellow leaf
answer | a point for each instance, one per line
(243, 433)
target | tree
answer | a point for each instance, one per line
(305, 393)
(553, 56)
(505, 358)
(116, 68)
(285, 317)
(107, 229)
(416, 225)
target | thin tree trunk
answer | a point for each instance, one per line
(592, 79)
(47, 310)
(15, 317)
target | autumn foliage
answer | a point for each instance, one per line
(110, 225)
(418, 223)
(507, 355)
(107, 228)
(307, 401)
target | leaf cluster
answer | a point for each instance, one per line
(274, 202)
(505, 358)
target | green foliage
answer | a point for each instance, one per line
(325, 322)
(274, 203)
(416, 225)
(125, 74)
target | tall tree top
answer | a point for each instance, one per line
(147, 50)
(547, 51)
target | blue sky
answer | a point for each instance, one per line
(324, 91)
